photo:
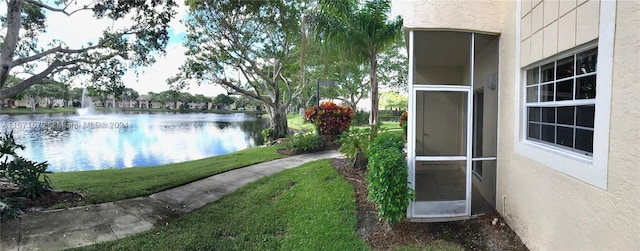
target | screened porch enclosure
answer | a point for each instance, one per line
(452, 123)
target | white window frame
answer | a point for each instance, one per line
(564, 103)
(589, 169)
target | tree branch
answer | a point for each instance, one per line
(35, 78)
(54, 50)
(255, 96)
(61, 10)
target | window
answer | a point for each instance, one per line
(560, 101)
(569, 99)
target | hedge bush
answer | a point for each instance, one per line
(387, 175)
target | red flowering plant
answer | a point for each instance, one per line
(403, 122)
(331, 120)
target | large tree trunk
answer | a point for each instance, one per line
(373, 115)
(278, 122)
(10, 42)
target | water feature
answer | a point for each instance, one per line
(86, 104)
(74, 142)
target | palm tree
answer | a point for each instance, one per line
(363, 31)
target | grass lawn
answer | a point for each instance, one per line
(306, 208)
(296, 122)
(116, 184)
(389, 125)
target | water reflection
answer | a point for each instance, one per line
(73, 143)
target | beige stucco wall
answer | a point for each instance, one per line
(552, 26)
(451, 14)
(548, 209)
(553, 211)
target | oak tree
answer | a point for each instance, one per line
(257, 40)
(139, 33)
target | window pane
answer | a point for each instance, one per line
(477, 168)
(547, 72)
(586, 87)
(548, 133)
(546, 93)
(532, 93)
(555, 88)
(534, 114)
(585, 115)
(549, 114)
(587, 61)
(584, 140)
(534, 131)
(564, 90)
(533, 76)
(565, 136)
(565, 68)
(565, 115)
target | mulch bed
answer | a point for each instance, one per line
(474, 234)
(44, 201)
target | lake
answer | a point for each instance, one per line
(70, 142)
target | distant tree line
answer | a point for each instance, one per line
(170, 98)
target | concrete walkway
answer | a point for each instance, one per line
(80, 226)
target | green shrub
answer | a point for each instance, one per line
(302, 143)
(30, 176)
(354, 145)
(266, 133)
(387, 177)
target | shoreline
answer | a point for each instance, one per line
(63, 110)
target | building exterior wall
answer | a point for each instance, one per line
(472, 15)
(551, 210)
(549, 27)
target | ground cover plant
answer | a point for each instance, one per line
(306, 208)
(303, 143)
(117, 184)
